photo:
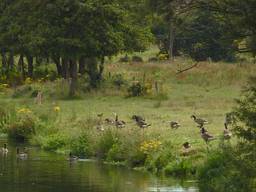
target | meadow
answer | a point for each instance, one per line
(61, 124)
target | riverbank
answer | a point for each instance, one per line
(62, 125)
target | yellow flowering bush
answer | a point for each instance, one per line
(23, 127)
(24, 111)
(163, 56)
(56, 108)
(3, 86)
(28, 80)
(147, 147)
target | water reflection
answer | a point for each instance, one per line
(46, 172)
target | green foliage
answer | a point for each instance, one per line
(118, 80)
(22, 91)
(206, 37)
(137, 59)
(54, 142)
(23, 128)
(116, 153)
(105, 143)
(245, 113)
(158, 160)
(244, 127)
(137, 89)
(223, 172)
(82, 146)
(180, 167)
(125, 59)
(6, 116)
(233, 168)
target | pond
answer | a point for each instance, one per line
(49, 172)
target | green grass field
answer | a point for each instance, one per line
(207, 91)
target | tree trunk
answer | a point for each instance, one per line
(92, 71)
(30, 66)
(73, 75)
(65, 70)
(171, 39)
(101, 68)
(11, 61)
(4, 61)
(38, 61)
(82, 66)
(56, 60)
(21, 66)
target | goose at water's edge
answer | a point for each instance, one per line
(21, 155)
(4, 149)
(72, 157)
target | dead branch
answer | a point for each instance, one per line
(183, 70)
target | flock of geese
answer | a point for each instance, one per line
(22, 155)
(141, 122)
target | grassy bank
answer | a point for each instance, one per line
(63, 125)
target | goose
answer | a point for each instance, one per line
(206, 136)
(119, 123)
(138, 118)
(4, 149)
(21, 155)
(174, 125)
(227, 134)
(100, 127)
(72, 157)
(140, 121)
(199, 121)
(109, 121)
(143, 124)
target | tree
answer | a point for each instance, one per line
(245, 127)
(172, 12)
(70, 33)
(239, 16)
(205, 34)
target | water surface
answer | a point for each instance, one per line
(48, 172)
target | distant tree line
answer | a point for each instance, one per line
(205, 28)
(77, 35)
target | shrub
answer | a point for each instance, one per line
(23, 128)
(180, 167)
(137, 59)
(153, 59)
(125, 59)
(54, 142)
(137, 89)
(222, 172)
(106, 142)
(158, 154)
(118, 80)
(82, 146)
(116, 153)
(163, 56)
(21, 91)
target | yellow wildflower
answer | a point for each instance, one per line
(24, 110)
(28, 80)
(149, 146)
(56, 108)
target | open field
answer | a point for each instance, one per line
(208, 91)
